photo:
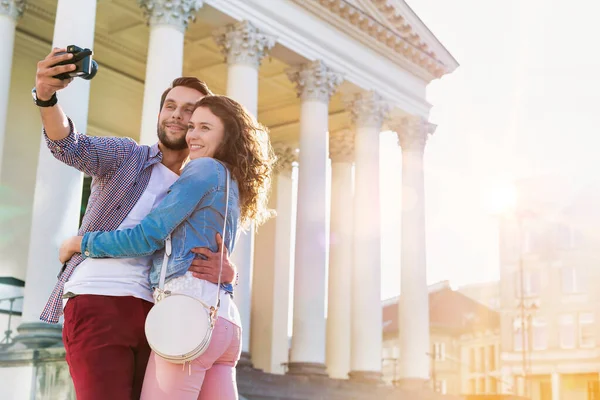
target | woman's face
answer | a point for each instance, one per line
(205, 133)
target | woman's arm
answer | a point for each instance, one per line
(198, 180)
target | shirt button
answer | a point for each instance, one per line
(87, 253)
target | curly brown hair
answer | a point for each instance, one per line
(246, 149)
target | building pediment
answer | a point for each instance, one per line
(391, 28)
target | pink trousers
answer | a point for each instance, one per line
(212, 375)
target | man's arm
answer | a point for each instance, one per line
(53, 118)
(95, 156)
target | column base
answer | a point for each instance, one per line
(413, 384)
(307, 369)
(366, 376)
(245, 360)
(37, 335)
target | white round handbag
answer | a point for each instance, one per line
(179, 327)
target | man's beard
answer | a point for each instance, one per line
(171, 144)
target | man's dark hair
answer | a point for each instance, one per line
(187, 81)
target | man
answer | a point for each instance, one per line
(107, 300)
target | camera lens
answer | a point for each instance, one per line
(93, 71)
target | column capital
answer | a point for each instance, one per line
(414, 132)
(286, 156)
(13, 8)
(177, 13)
(367, 109)
(243, 43)
(341, 146)
(315, 81)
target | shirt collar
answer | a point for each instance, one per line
(155, 151)
(154, 156)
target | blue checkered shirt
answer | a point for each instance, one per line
(120, 170)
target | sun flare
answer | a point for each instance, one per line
(500, 197)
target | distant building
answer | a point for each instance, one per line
(486, 293)
(464, 336)
(549, 255)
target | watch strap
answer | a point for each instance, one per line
(44, 103)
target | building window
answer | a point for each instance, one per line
(566, 331)
(526, 245)
(540, 333)
(567, 237)
(440, 386)
(532, 282)
(587, 337)
(481, 388)
(570, 282)
(473, 386)
(492, 357)
(481, 359)
(518, 335)
(472, 360)
(493, 385)
(439, 351)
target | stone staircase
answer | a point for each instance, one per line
(256, 385)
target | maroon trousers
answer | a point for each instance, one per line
(106, 346)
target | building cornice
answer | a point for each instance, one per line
(402, 18)
(395, 40)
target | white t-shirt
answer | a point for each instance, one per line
(124, 276)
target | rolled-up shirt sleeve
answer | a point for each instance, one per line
(92, 155)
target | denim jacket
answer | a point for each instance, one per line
(192, 212)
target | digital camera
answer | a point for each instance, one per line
(86, 67)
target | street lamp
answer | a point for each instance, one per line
(501, 201)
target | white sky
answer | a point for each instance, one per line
(523, 103)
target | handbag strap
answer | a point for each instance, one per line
(168, 248)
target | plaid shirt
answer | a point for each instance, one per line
(120, 170)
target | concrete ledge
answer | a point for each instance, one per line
(38, 334)
(307, 369)
(372, 377)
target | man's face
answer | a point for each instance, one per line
(175, 115)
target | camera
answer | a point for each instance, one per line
(86, 67)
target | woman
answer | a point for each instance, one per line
(193, 212)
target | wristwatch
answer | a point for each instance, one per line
(43, 103)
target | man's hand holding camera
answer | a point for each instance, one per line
(46, 85)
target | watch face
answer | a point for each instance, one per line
(34, 94)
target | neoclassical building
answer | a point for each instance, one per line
(326, 76)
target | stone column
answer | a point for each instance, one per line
(271, 276)
(244, 46)
(555, 386)
(367, 110)
(10, 12)
(414, 301)
(168, 20)
(57, 198)
(315, 84)
(341, 152)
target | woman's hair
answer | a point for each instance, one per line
(247, 150)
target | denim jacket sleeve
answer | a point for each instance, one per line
(93, 155)
(193, 189)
